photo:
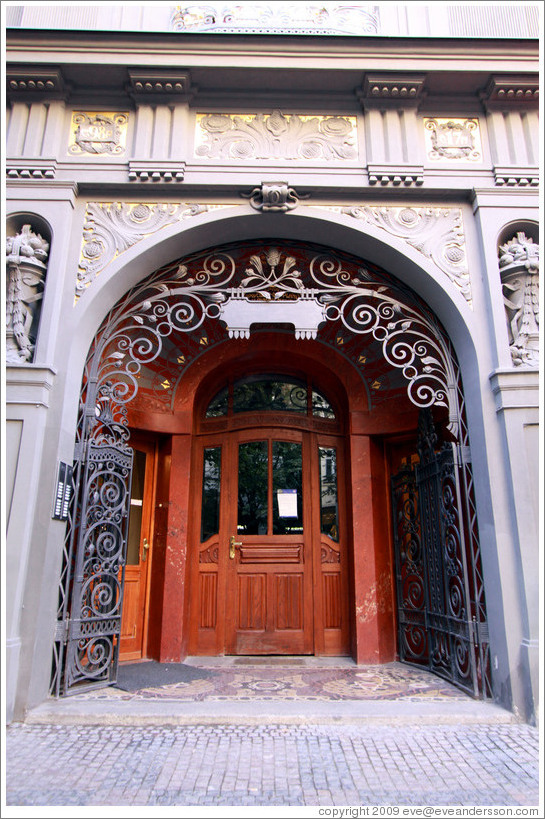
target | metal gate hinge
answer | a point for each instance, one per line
(62, 628)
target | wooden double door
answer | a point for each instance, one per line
(269, 553)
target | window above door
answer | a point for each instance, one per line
(270, 392)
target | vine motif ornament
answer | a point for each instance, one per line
(519, 271)
(276, 136)
(26, 267)
(180, 298)
(110, 228)
(437, 233)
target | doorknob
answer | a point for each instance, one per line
(232, 544)
(145, 548)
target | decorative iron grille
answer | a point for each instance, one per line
(179, 301)
(441, 609)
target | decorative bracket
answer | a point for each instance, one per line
(274, 196)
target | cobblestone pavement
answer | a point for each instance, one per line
(271, 765)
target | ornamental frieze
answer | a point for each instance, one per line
(275, 136)
(110, 228)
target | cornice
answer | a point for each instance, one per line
(150, 46)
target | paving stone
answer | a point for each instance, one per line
(312, 765)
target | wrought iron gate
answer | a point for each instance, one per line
(442, 612)
(86, 646)
(441, 615)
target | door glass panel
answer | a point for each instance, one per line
(287, 466)
(253, 475)
(135, 516)
(269, 393)
(321, 408)
(328, 493)
(211, 480)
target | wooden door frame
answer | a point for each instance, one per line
(146, 442)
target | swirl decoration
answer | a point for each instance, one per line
(178, 299)
(410, 342)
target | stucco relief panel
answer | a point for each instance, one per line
(111, 228)
(102, 133)
(276, 135)
(435, 232)
(453, 139)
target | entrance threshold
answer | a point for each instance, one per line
(272, 660)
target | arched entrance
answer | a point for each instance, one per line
(146, 370)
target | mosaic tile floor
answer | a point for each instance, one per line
(273, 681)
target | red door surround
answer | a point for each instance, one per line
(369, 591)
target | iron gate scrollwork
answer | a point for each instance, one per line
(86, 645)
(440, 609)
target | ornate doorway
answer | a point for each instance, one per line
(135, 376)
(269, 539)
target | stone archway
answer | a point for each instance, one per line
(230, 289)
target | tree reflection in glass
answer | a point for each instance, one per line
(328, 492)
(211, 478)
(252, 488)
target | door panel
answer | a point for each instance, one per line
(135, 595)
(270, 572)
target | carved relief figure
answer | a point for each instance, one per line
(519, 270)
(27, 254)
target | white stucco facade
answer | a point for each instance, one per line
(132, 141)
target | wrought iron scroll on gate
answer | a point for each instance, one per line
(440, 607)
(177, 302)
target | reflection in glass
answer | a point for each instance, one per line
(269, 393)
(328, 492)
(253, 482)
(287, 466)
(135, 516)
(321, 407)
(211, 480)
(218, 405)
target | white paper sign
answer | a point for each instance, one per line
(287, 503)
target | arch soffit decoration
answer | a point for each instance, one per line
(348, 233)
(182, 295)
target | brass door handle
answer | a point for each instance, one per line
(232, 544)
(145, 548)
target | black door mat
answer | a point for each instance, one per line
(151, 674)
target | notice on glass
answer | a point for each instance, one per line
(287, 503)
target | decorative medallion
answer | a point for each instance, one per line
(276, 136)
(453, 139)
(98, 133)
